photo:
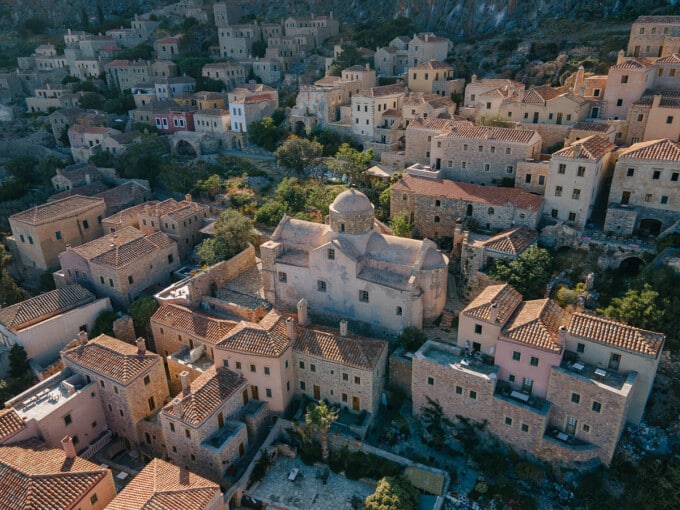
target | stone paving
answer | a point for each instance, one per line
(307, 491)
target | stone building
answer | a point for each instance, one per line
(557, 385)
(44, 477)
(481, 154)
(41, 233)
(86, 141)
(199, 424)
(477, 88)
(230, 73)
(419, 134)
(132, 382)
(654, 116)
(530, 176)
(73, 176)
(435, 205)
(164, 485)
(644, 194)
(370, 105)
(654, 36)
(213, 121)
(167, 48)
(582, 130)
(236, 41)
(349, 269)
(174, 86)
(626, 82)
(576, 175)
(317, 28)
(124, 74)
(431, 77)
(251, 103)
(120, 265)
(45, 324)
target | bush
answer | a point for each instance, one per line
(411, 339)
(271, 212)
(310, 453)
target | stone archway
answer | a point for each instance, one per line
(187, 148)
(299, 128)
(236, 144)
(631, 265)
(650, 226)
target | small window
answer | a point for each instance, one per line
(152, 404)
(525, 427)
(436, 219)
(558, 191)
(511, 378)
(572, 216)
(508, 420)
(283, 277)
(357, 379)
(321, 286)
(344, 397)
(669, 119)
(516, 355)
(576, 194)
(30, 240)
(624, 78)
(575, 398)
(581, 171)
(238, 365)
(648, 197)
(459, 390)
(478, 329)
(437, 203)
(586, 428)
(345, 377)
(253, 369)
(597, 406)
(527, 179)
(86, 224)
(509, 169)
(110, 282)
(301, 364)
(331, 254)
(57, 234)
(656, 175)
(303, 386)
(399, 312)
(268, 392)
(171, 259)
(553, 213)
(147, 380)
(94, 499)
(490, 211)
(430, 381)
(363, 296)
(187, 432)
(266, 371)
(130, 280)
(664, 199)
(541, 180)
(580, 347)
(312, 367)
(68, 420)
(630, 172)
(473, 395)
(534, 361)
(674, 177)
(619, 102)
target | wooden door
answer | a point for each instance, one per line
(355, 403)
(317, 392)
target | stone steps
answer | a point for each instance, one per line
(446, 322)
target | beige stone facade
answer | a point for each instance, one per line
(230, 73)
(530, 176)
(654, 36)
(422, 77)
(43, 232)
(370, 106)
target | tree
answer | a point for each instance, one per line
(393, 493)
(91, 101)
(144, 159)
(103, 324)
(259, 48)
(412, 338)
(141, 310)
(348, 57)
(21, 167)
(351, 162)
(639, 308)
(10, 293)
(401, 226)
(264, 133)
(233, 232)
(18, 361)
(298, 153)
(291, 193)
(271, 212)
(320, 417)
(529, 273)
(436, 422)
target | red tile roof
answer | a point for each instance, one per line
(44, 306)
(537, 323)
(618, 334)
(164, 486)
(10, 423)
(503, 296)
(112, 358)
(472, 131)
(35, 477)
(386, 90)
(595, 127)
(476, 193)
(268, 338)
(635, 63)
(593, 148)
(206, 394)
(105, 243)
(54, 211)
(656, 150)
(121, 254)
(358, 352)
(539, 95)
(211, 329)
(433, 64)
(512, 241)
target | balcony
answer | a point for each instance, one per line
(192, 358)
(565, 440)
(455, 358)
(598, 375)
(504, 391)
(219, 439)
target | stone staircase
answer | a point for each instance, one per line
(446, 322)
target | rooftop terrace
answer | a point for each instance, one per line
(599, 375)
(44, 398)
(455, 358)
(220, 437)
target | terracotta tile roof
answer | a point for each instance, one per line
(356, 68)
(80, 171)
(210, 328)
(491, 195)
(497, 83)
(433, 124)
(125, 193)
(164, 486)
(539, 95)
(186, 209)
(386, 90)
(512, 241)
(122, 254)
(537, 323)
(259, 98)
(434, 65)
(669, 98)
(635, 63)
(618, 334)
(593, 148)
(503, 296)
(475, 132)
(268, 338)
(112, 358)
(656, 150)
(128, 216)
(105, 243)
(54, 211)
(89, 190)
(595, 127)
(10, 423)
(673, 58)
(212, 112)
(36, 477)
(118, 63)
(430, 37)
(39, 308)
(206, 393)
(358, 352)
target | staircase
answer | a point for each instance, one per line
(446, 322)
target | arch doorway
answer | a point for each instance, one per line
(650, 226)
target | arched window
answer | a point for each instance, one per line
(437, 203)
(399, 311)
(490, 211)
(436, 219)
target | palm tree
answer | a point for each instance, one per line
(320, 417)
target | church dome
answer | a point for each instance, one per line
(352, 202)
(351, 213)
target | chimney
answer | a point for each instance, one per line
(88, 179)
(290, 328)
(473, 79)
(563, 336)
(303, 320)
(427, 37)
(69, 448)
(493, 312)
(620, 57)
(177, 407)
(656, 102)
(82, 337)
(141, 346)
(343, 327)
(368, 66)
(188, 197)
(184, 377)
(582, 90)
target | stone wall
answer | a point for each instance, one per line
(532, 170)
(400, 370)
(249, 314)
(552, 134)
(517, 424)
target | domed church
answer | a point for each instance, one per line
(351, 267)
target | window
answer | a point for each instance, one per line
(268, 392)
(130, 280)
(648, 197)
(473, 395)
(508, 150)
(562, 168)
(22, 238)
(527, 179)
(436, 219)
(57, 234)
(465, 147)
(102, 384)
(312, 367)
(68, 420)
(493, 150)
(575, 398)
(266, 371)
(558, 191)
(187, 432)
(238, 365)
(664, 199)
(624, 78)
(171, 259)
(511, 378)
(430, 381)
(674, 177)
(399, 311)
(459, 390)
(480, 148)
(619, 102)
(357, 379)
(94, 499)
(253, 369)
(302, 365)
(534, 361)
(581, 171)
(478, 329)
(656, 175)
(283, 277)
(669, 119)
(321, 286)
(303, 386)
(120, 411)
(147, 380)
(345, 377)
(487, 167)
(509, 169)
(86, 225)
(541, 180)
(630, 172)
(344, 397)
(614, 361)
(152, 404)
(331, 254)
(525, 427)
(576, 194)
(437, 203)
(363, 296)
(586, 428)
(597, 406)
(110, 282)
(508, 420)
(516, 355)
(580, 347)
(572, 216)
